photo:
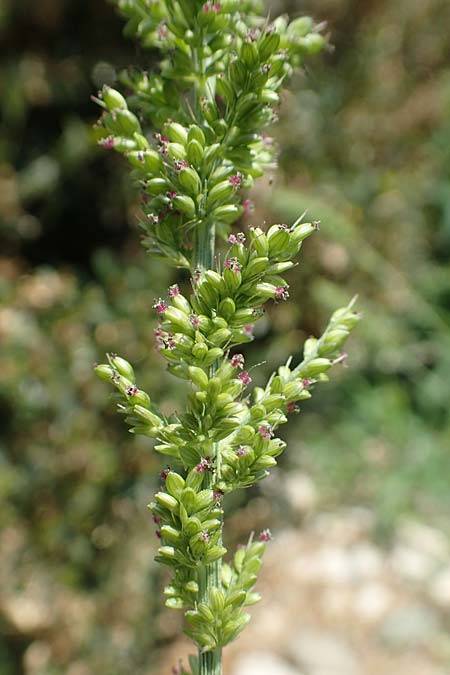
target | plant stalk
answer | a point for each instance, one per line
(210, 663)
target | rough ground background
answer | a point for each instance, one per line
(337, 603)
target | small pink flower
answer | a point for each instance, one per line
(163, 143)
(238, 238)
(237, 361)
(281, 293)
(241, 451)
(193, 318)
(204, 536)
(196, 276)
(248, 329)
(107, 143)
(266, 432)
(245, 378)
(174, 291)
(164, 473)
(218, 494)
(160, 306)
(265, 536)
(306, 383)
(209, 7)
(205, 464)
(170, 342)
(235, 180)
(180, 164)
(158, 534)
(132, 390)
(233, 264)
(156, 520)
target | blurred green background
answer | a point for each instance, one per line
(364, 139)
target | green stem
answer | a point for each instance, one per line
(205, 238)
(210, 663)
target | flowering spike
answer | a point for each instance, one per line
(207, 148)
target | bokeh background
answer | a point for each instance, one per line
(357, 580)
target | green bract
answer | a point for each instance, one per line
(193, 134)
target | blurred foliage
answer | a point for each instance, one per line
(365, 148)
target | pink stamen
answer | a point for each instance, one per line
(174, 291)
(281, 293)
(237, 361)
(107, 143)
(236, 180)
(266, 432)
(245, 378)
(265, 536)
(160, 306)
(193, 318)
(233, 264)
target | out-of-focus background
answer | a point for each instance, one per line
(357, 580)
